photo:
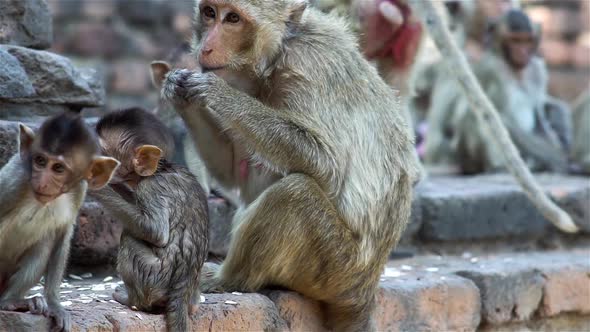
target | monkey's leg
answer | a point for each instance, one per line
(140, 270)
(292, 236)
(31, 268)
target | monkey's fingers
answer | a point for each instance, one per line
(38, 306)
(392, 14)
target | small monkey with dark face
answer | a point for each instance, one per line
(43, 187)
(515, 80)
(164, 213)
(289, 84)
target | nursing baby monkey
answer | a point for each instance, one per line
(42, 189)
(289, 84)
(164, 214)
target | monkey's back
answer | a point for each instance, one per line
(178, 263)
(369, 144)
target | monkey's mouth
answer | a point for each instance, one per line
(209, 69)
(43, 198)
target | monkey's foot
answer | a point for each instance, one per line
(120, 295)
(61, 319)
(209, 281)
(36, 305)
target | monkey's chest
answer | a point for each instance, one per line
(31, 222)
(522, 108)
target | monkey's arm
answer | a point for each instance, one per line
(213, 145)
(149, 223)
(13, 180)
(283, 139)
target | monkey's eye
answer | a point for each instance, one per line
(232, 18)
(208, 12)
(58, 168)
(40, 161)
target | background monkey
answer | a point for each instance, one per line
(289, 84)
(43, 187)
(515, 80)
(581, 147)
(489, 116)
(164, 214)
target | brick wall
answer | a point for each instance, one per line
(121, 37)
(565, 43)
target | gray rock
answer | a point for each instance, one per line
(471, 208)
(507, 294)
(25, 23)
(8, 141)
(96, 237)
(55, 79)
(34, 112)
(14, 82)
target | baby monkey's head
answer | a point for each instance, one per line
(138, 139)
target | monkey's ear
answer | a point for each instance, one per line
(297, 9)
(146, 160)
(101, 171)
(26, 136)
(159, 69)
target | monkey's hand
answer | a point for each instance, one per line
(60, 317)
(174, 89)
(213, 92)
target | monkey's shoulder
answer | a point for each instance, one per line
(173, 180)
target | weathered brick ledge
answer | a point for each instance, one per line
(523, 291)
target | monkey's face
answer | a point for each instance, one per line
(226, 36)
(52, 175)
(518, 49)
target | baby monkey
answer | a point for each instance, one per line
(164, 213)
(41, 190)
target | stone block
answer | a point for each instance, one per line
(471, 208)
(298, 312)
(55, 79)
(423, 302)
(512, 295)
(91, 39)
(556, 22)
(30, 113)
(96, 237)
(25, 23)
(567, 84)
(145, 13)
(581, 56)
(14, 82)
(556, 52)
(566, 289)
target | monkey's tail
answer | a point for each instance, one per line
(177, 310)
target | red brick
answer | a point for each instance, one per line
(130, 77)
(566, 290)
(556, 22)
(556, 52)
(428, 302)
(581, 56)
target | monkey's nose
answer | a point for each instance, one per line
(206, 51)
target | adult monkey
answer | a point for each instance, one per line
(581, 147)
(289, 83)
(515, 80)
(481, 104)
